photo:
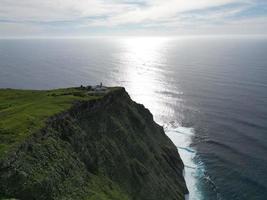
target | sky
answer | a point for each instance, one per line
(83, 18)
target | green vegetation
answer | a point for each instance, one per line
(104, 189)
(22, 112)
(104, 147)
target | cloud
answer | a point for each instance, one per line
(131, 14)
(160, 10)
(118, 11)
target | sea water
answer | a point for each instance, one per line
(209, 94)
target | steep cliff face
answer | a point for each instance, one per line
(107, 148)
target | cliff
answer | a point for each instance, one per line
(93, 147)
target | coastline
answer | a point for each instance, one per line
(82, 152)
(182, 138)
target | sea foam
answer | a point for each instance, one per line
(182, 138)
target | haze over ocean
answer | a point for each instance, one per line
(210, 94)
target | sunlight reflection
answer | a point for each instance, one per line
(143, 59)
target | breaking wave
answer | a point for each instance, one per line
(182, 138)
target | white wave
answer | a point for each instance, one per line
(182, 138)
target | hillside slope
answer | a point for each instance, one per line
(97, 149)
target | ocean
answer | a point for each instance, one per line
(209, 94)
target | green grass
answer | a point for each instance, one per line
(23, 112)
(101, 188)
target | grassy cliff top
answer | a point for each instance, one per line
(22, 112)
(106, 148)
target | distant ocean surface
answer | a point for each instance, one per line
(210, 94)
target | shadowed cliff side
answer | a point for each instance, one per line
(107, 148)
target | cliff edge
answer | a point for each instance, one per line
(102, 147)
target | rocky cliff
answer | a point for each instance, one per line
(103, 149)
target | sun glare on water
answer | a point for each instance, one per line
(143, 62)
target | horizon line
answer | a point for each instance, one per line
(137, 36)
